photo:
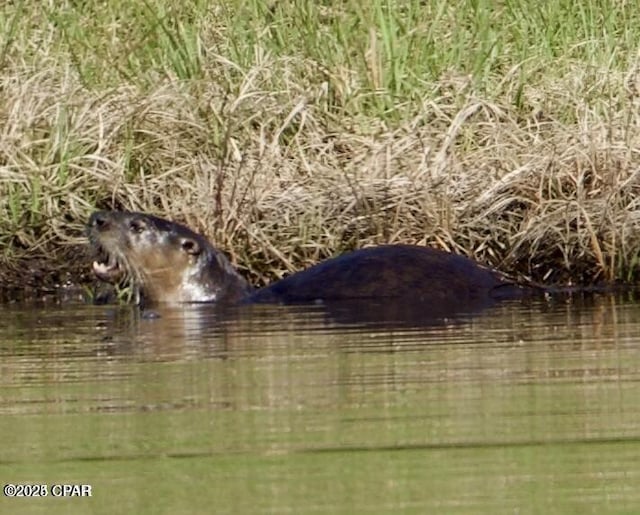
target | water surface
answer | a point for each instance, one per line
(525, 408)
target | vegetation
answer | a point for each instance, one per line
(290, 131)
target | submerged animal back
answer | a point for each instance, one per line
(390, 271)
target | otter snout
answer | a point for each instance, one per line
(98, 221)
(107, 265)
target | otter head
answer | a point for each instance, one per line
(164, 261)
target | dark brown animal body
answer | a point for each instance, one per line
(169, 263)
(410, 272)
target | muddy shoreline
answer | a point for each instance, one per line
(69, 278)
(63, 278)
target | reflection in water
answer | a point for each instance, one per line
(530, 406)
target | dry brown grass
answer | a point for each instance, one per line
(547, 189)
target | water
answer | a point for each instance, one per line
(524, 408)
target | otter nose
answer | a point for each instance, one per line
(99, 220)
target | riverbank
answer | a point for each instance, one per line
(288, 133)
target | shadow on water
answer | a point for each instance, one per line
(527, 406)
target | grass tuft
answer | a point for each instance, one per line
(291, 131)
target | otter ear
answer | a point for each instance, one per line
(190, 246)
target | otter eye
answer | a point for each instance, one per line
(190, 246)
(137, 226)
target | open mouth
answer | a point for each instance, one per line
(107, 268)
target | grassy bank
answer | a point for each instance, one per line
(290, 131)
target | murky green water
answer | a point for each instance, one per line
(524, 409)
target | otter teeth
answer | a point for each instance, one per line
(102, 268)
(108, 270)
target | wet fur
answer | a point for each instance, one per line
(168, 262)
(409, 272)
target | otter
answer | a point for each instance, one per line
(169, 263)
(165, 262)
